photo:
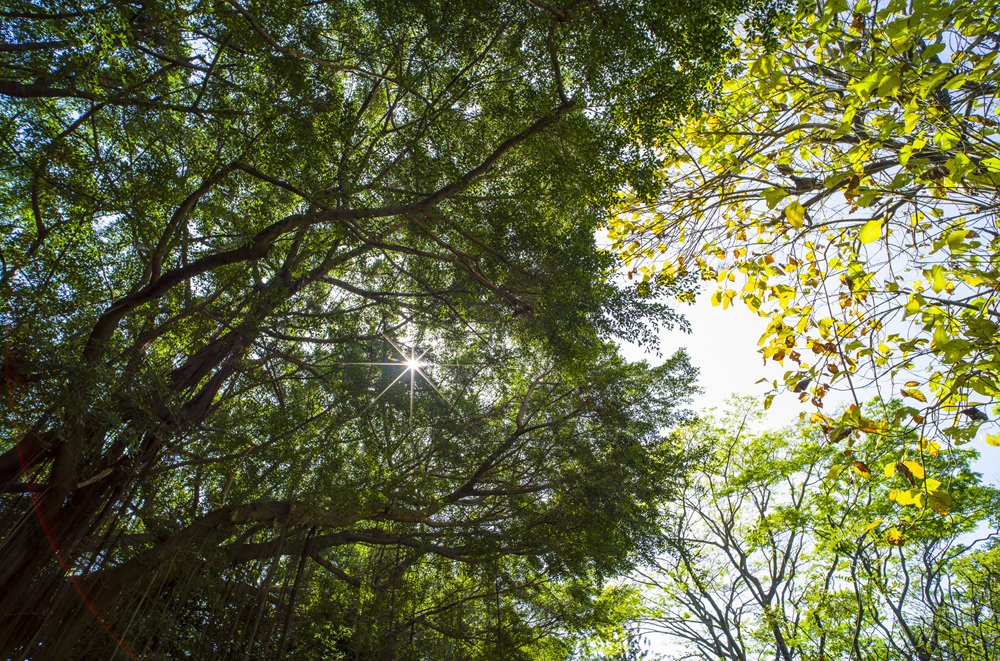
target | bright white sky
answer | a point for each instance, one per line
(723, 346)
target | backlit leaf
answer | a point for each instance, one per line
(915, 469)
(894, 537)
(870, 231)
(795, 213)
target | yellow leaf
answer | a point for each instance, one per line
(930, 447)
(916, 469)
(870, 426)
(861, 468)
(796, 214)
(871, 231)
(994, 440)
(931, 484)
(890, 469)
(873, 525)
(915, 394)
(894, 537)
(819, 417)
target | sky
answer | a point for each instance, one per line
(723, 346)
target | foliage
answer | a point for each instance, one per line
(845, 188)
(777, 550)
(224, 225)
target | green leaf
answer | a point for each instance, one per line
(956, 239)
(889, 85)
(939, 501)
(773, 195)
(954, 83)
(932, 51)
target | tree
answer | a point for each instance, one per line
(776, 548)
(845, 187)
(224, 227)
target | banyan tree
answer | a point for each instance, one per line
(307, 345)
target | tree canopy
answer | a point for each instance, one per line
(775, 551)
(845, 188)
(306, 339)
(309, 350)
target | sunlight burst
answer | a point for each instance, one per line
(413, 364)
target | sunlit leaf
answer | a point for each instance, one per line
(795, 213)
(915, 469)
(871, 231)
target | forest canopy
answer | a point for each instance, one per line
(769, 556)
(307, 343)
(309, 349)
